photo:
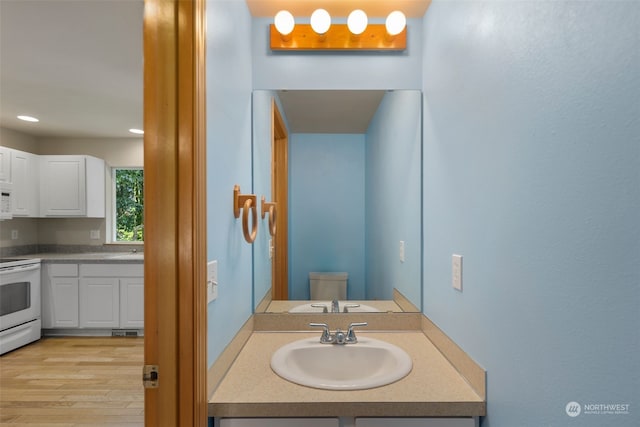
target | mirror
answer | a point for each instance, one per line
(354, 195)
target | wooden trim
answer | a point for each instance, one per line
(280, 186)
(175, 200)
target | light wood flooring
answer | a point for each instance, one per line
(66, 382)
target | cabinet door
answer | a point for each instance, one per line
(132, 303)
(62, 186)
(60, 302)
(416, 422)
(24, 176)
(99, 302)
(5, 164)
(278, 422)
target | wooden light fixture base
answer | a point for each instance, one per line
(303, 38)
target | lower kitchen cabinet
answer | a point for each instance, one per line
(99, 302)
(92, 296)
(60, 296)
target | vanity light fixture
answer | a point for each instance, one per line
(395, 23)
(284, 22)
(320, 21)
(321, 34)
(28, 119)
(357, 22)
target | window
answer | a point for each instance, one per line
(128, 204)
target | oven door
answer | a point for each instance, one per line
(19, 295)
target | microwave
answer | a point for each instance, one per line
(6, 200)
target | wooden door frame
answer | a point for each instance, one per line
(175, 211)
(280, 188)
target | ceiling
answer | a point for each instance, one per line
(77, 66)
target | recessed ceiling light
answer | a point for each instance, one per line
(28, 119)
(137, 131)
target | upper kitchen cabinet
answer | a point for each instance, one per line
(72, 186)
(5, 164)
(26, 191)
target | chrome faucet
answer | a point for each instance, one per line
(335, 307)
(339, 337)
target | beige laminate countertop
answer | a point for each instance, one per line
(284, 306)
(433, 388)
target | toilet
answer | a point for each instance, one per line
(328, 286)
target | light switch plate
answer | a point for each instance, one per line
(456, 271)
(212, 280)
(401, 250)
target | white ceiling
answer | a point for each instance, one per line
(77, 66)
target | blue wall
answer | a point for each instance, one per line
(393, 197)
(532, 173)
(326, 210)
(228, 163)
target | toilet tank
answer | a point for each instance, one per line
(328, 285)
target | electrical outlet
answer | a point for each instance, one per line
(456, 271)
(94, 234)
(14, 234)
(212, 280)
(401, 250)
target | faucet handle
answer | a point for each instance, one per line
(326, 335)
(348, 306)
(351, 335)
(322, 306)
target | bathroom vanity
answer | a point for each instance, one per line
(444, 388)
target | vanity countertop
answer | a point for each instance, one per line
(433, 388)
(284, 306)
(88, 257)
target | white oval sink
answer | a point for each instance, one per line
(307, 308)
(367, 364)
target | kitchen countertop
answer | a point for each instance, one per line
(433, 388)
(89, 257)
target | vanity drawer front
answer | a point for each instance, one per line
(416, 422)
(279, 422)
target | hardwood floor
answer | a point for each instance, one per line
(73, 382)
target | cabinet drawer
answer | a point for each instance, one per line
(63, 270)
(111, 270)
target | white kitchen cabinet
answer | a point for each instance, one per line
(99, 302)
(60, 296)
(92, 296)
(132, 303)
(72, 186)
(5, 164)
(26, 184)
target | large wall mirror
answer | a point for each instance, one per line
(354, 197)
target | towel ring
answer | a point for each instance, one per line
(270, 208)
(246, 203)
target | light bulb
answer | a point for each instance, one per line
(284, 22)
(357, 22)
(395, 23)
(28, 119)
(320, 21)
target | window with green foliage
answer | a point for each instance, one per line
(129, 204)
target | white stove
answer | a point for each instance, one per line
(20, 308)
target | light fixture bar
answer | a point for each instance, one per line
(338, 37)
